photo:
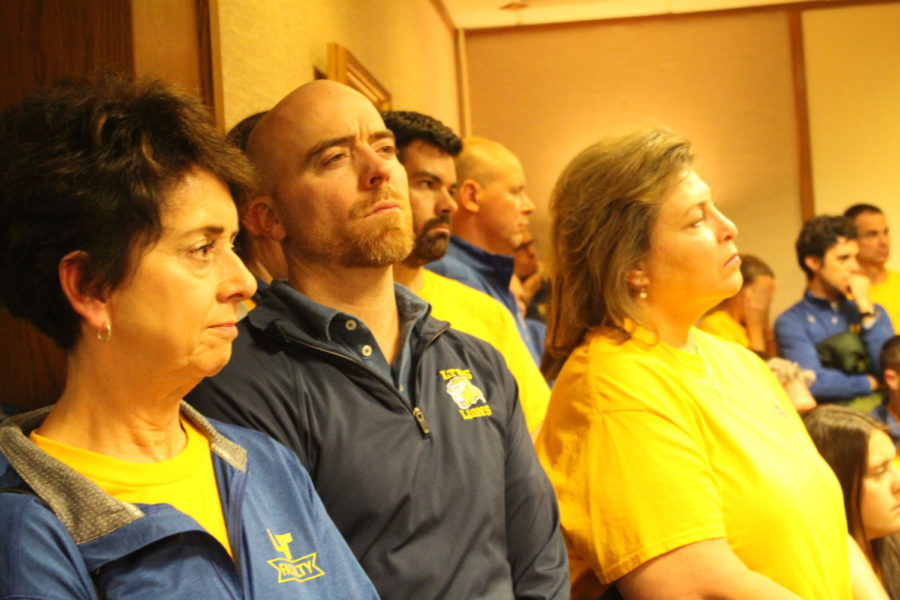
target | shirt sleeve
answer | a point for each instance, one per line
(38, 558)
(648, 488)
(877, 336)
(795, 344)
(536, 551)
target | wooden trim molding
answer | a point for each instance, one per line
(344, 68)
(801, 114)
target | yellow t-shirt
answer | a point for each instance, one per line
(187, 482)
(887, 294)
(721, 324)
(651, 448)
(479, 315)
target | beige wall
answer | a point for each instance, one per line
(270, 47)
(853, 82)
(722, 80)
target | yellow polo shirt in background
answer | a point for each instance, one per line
(721, 324)
(187, 481)
(887, 294)
(479, 315)
(651, 448)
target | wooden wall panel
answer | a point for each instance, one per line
(41, 42)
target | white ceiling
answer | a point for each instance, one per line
(478, 14)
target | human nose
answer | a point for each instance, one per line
(526, 205)
(237, 283)
(895, 479)
(377, 169)
(446, 204)
(727, 229)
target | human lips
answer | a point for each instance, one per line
(733, 261)
(383, 206)
(228, 328)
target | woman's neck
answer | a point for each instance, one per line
(104, 411)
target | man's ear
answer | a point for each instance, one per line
(90, 303)
(892, 379)
(467, 195)
(812, 262)
(261, 219)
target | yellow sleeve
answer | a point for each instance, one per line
(644, 499)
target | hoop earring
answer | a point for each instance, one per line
(105, 332)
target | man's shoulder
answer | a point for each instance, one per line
(796, 312)
(460, 298)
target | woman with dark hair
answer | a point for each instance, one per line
(861, 453)
(117, 218)
(682, 471)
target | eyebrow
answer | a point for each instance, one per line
(211, 230)
(426, 173)
(344, 140)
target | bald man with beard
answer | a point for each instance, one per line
(412, 432)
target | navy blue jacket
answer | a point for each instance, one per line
(67, 539)
(457, 508)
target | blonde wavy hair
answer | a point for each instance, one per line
(604, 208)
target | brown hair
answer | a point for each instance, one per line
(604, 207)
(87, 165)
(842, 437)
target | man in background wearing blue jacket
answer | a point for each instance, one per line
(836, 331)
(411, 431)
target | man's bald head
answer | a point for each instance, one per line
(482, 159)
(329, 164)
(284, 126)
(493, 207)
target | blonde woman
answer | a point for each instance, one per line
(681, 468)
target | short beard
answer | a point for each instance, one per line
(380, 247)
(429, 247)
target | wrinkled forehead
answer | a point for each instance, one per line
(307, 118)
(310, 117)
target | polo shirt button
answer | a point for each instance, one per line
(367, 350)
(350, 324)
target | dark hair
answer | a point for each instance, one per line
(858, 209)
(86, 166)
(890, 354)
(408, 126)
(240, 133)
(818, 235)
(753, 267)
(604, 207)
(842, 437)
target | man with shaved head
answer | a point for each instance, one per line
(490, 224)
(412, 432)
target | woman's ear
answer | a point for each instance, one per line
(260, 218)
(91, 306)
(638, 280)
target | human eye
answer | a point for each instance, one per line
(334, 158)
(202, 251)
(387, 149)
(425, 184)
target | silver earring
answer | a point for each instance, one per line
(105, 332)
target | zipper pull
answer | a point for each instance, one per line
(420, 419)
